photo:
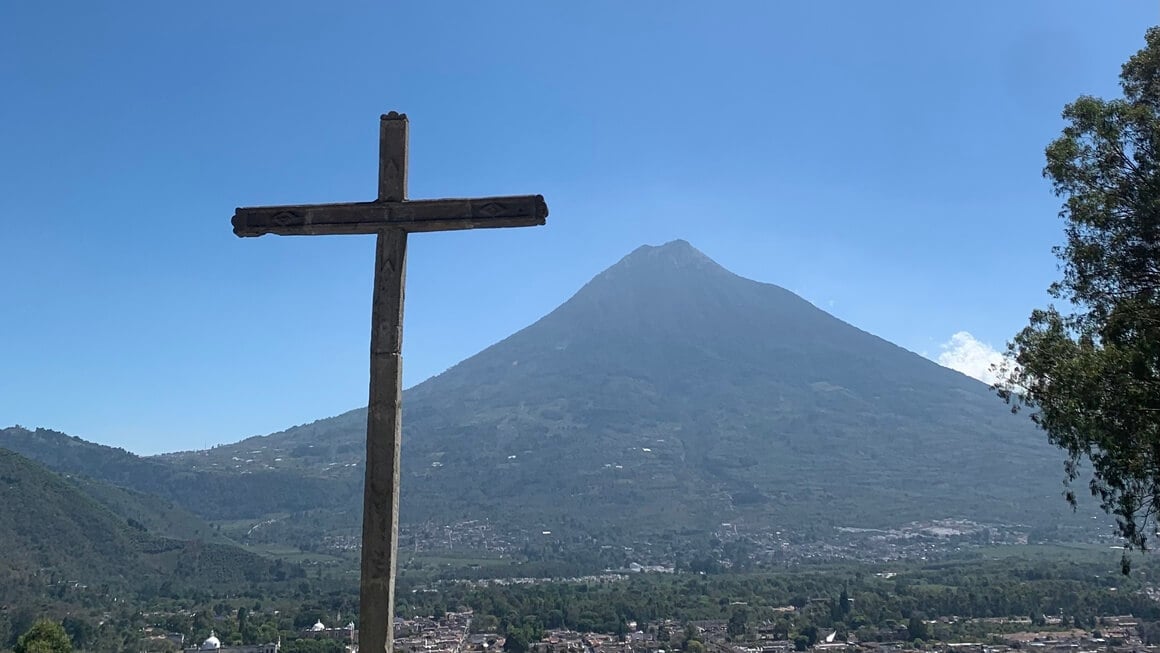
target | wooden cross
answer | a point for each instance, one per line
(392, 216)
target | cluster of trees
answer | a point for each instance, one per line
(48, 636)
(1089, 373)
(250, 617)
(44, 637)
(842, 599)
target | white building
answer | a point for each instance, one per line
(212, 643)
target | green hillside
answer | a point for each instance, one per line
(211, 494)
(147, 512)
(51, 532)
(56, 539)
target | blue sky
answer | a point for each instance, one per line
(881, 159)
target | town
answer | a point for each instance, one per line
(454, 633)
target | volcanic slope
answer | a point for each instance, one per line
(670, 394)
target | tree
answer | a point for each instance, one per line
(1090, 373)
(79, 631)
(45, 636)
(1150, 632)
(516, 642)
(811, 634)
(916, 628)
(738, 623)
(690, 633)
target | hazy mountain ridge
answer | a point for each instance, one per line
(82, 463)
(672, 393)
(667, 395)
(206, 493)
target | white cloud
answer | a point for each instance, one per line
(963, 352)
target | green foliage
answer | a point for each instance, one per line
(882, 609)
(306, 645)
(916, 628)
(45, 636)
(80, 631)
(738, 622)
(148, 513)
(810, 632)
(883, 606)
(48, 524)
(516, 642)
(1091, 372)
(60, 544)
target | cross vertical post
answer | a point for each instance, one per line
(385, 408)
(390, 217)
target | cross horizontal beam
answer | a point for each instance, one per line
(408, 215)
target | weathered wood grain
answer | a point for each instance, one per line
(380, 533)
(394, 132)
(373, 217)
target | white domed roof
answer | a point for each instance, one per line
(318, 626)
(212, 643)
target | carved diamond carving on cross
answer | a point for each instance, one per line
(491, 209)
(284, 218)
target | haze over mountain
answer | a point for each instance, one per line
(670, 393)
